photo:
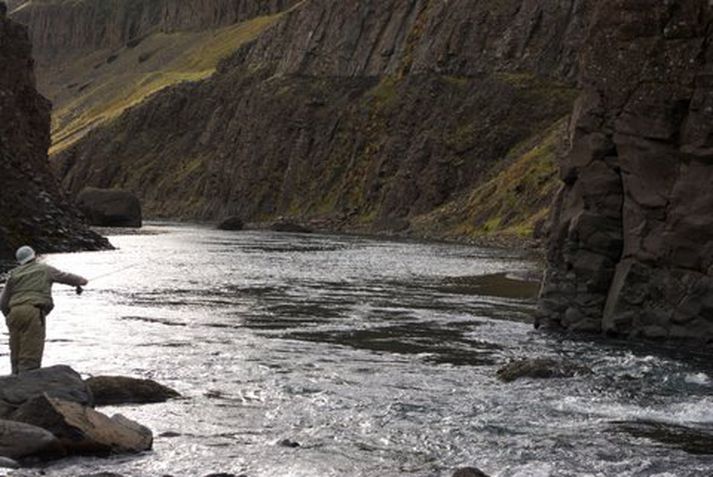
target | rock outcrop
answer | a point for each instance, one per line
(110, 207)
(631, 251)
(363, 113)
(33, 210)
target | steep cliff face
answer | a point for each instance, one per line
(95, 58)
(61, 26)
(362, 113)
(632, 248)
(32, 210)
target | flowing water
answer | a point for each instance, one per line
(377, 357)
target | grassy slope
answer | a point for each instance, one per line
(513, 203)
(90, 90)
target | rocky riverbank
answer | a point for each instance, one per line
(49, 413)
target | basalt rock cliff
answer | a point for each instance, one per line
(32, 208)
(632, 245)
(377, 115)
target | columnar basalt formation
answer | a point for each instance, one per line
(632, 246)
(364, 112)
(32, 208)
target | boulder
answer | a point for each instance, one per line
(110, 207)
(108, 390)
(469, 472)
(56, 381)
(540, 368)
(6, 463)
(82, 430)
(18, 440)
(231, 223)
(290, 227)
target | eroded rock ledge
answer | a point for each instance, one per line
(631, 250)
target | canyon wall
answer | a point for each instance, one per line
(58, 27)
(632, 246)
(362, 113)
(32, 208)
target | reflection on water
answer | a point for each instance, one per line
(376, 357)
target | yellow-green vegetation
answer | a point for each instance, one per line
(513, 201)
(111, 82)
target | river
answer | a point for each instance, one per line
(377, 357)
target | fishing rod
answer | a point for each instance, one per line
(80, 290)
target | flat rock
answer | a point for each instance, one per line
(18, 440)
(56, 381)
(109, 390)
(82, 430)
(540, 368)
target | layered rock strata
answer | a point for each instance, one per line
(32, 208)
(632, 246)
(367, 113)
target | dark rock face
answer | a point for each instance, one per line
(231, 223)
(110, 207)
(366, 113)
(108, 390)
(539, 368)
(56, 381)
(33, 210)
(631, 251)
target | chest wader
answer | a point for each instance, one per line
(26, 324)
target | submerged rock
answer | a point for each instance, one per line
(540, 368)
(123, 390)
(56, 381)
(469, 472)
(18, 440)
(288, 443)
(231, 223)
(82, 430)
(290, 227)
(110, 207)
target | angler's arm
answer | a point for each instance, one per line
(5, 299)
(59, 276)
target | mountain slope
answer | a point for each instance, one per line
(362, 114)
(97, 58)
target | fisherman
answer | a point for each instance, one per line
(25, 301)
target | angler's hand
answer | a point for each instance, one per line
(79, 290)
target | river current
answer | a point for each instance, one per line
(369, 357)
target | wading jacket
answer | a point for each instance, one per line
(31, 284)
